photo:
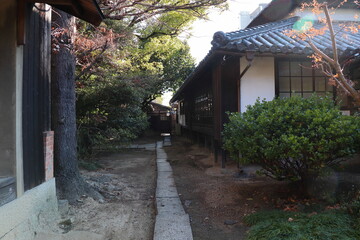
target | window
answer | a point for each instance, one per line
(298, 78)
(204, 108)
(164, 117)
(182, 108)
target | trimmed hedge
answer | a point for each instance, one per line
(292, 138)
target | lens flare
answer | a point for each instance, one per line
(304, 24)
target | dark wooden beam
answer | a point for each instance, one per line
(53, 2)
(20, 25)
(77, 8)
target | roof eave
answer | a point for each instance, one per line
(192, 75)
(280, 9)
(273, 12)
(87, 10)
(207, 60)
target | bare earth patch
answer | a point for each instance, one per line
(127, 181)
(217, 199)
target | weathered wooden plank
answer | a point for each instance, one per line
(20, 31)
(36, 92)
(217, 101)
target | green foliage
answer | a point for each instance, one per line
(165, 60)
(352, 205)
(125, 63)
(292, 138)
(108, 112)
(113, 92)
(280, 225)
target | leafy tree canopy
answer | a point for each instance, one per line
(130, 60)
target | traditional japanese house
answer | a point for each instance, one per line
(27, 186)
(261, 61)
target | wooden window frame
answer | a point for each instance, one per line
(204, 107)
(301, 76)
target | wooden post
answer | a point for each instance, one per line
(215, 151)
(20, 31)
(223, 158)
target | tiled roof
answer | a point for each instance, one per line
(272, 38)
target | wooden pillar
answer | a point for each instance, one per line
(216, 151)
(216, 76)
(205, 142)
(223, 158)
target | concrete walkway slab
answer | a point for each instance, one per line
(172, 227)
(164, 167)
(166, 174)
(167, 192)
(162, 160)
(169, 205)
(172, 222)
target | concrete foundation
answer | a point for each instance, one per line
(24, 217)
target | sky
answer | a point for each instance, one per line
(227, 21)
(202, 31)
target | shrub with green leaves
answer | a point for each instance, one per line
(280, 225)
(108, 113)
(292, 138)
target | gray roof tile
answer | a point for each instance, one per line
(272, 38)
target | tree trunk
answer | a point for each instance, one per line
(69, 183)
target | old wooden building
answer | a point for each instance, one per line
(27, 186)
(261, 61)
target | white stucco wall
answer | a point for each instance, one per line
(258, 81)
(182, 120)
(181, 117)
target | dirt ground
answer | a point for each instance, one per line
(217, 199)
(127, 181)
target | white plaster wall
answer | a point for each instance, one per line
(35, 210)
(182, 120)
(339, 14)
(181, 117)
(258, 81)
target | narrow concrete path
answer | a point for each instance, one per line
(172, 223)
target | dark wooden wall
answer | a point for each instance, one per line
(160, 122)
(221, 77)
(36, 92)
(230, 72)
(225, 77)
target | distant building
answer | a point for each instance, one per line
(246, 17)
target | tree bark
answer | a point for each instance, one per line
(334, 61)
(70, 185)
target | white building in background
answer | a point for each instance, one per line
(246, 17)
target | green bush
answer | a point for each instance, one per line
(279, 225)
(292, 138)
(108, 113)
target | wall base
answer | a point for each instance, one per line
(22, 218)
